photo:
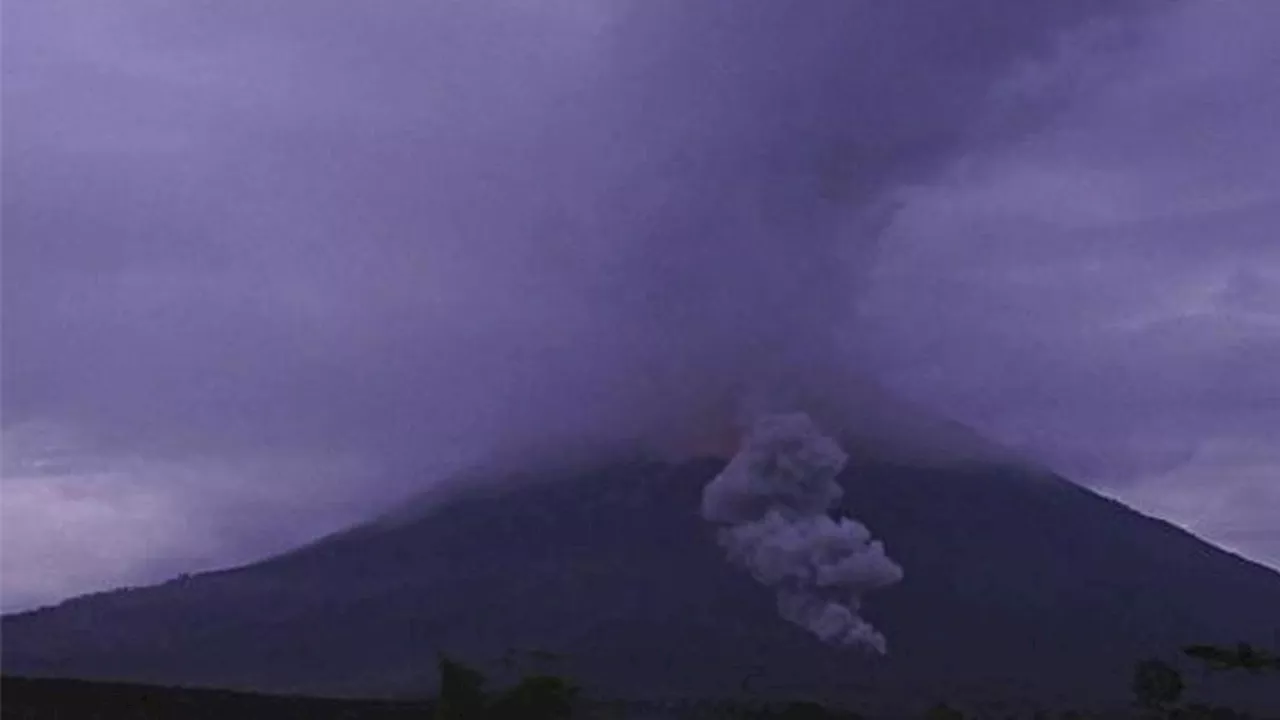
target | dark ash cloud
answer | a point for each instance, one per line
(401, 238)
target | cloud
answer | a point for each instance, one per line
(1101, 296)
(400, 229)
(76, 520)
(412, 237)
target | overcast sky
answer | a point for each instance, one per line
(270, 266)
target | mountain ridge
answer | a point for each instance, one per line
(1017, 582)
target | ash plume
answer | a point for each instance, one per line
(735, 165)
(772, 501)
(426, 234)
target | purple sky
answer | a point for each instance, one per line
(270, 266)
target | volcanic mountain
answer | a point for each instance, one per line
(1019, 585)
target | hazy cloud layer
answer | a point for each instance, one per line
(387, 240)
(1106, 295)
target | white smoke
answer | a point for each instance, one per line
(772, 500)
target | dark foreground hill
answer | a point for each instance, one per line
(41, 699)
(1019, 587)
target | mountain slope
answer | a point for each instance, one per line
(1017, 584)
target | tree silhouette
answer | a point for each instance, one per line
(943, 711)
(538, 697)
(1243, 657)
(462, 694)
(1156, 685)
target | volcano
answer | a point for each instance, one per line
(1019, 586)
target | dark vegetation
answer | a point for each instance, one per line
(1158, 687)
(1158, 694)
(57, 699)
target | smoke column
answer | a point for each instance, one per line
(772, 501)
(739, 161)
(502, 229)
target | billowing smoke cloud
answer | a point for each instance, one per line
(422, 229)
(773, 500)
(425, 234)
(754, 155)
